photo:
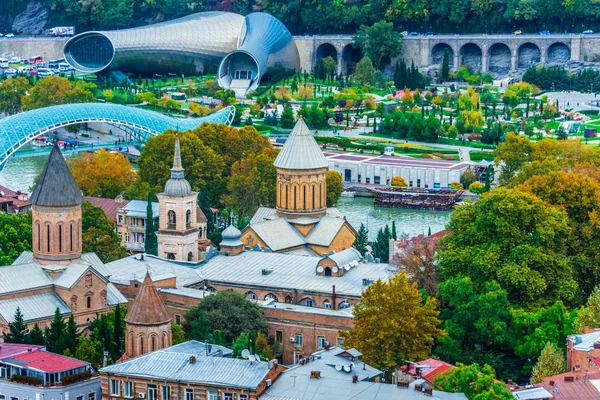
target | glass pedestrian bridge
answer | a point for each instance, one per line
(20, 129)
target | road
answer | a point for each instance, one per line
(575, 100)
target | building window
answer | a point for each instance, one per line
(120, 218)
(251, 295)
(172, 219)
(166, 393)
(128, 388)
(343, 305)
(60, 235)
(119, 235)
(14, 398)
(327, 304)
(189, 394)
(39, 236)
(152, 343)
(188, 219)
(2, 397)
(151, 392)
(89, 302)
(320, 342)
(142, 221)
(271, 296)
(114, 388)
(178, 319)
(212, 395)
(242, 397)
(71, 236)
(327, 271)
(307, 302)
(126, 237)
(288, 299)
(299, 339)
(377, 180)
(80, 397)
(48, 235)
(92, 396)
(227, 396)
(340, 342)
(279, 336)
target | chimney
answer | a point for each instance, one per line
(333, 297)
(315, 374)
(192, 359)
(354, 378)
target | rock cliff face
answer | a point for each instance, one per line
(32, 21)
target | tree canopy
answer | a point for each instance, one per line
(102, 173)
(15, 236)
(475, 382)
(99, 234)
(377, 42)
(335, 186)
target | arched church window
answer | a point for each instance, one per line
(71, 236)
(188, 219)
(39, 236)
(190, 256)
(327, 304)
(60, 237)
(327, 271)
(170, 256)
(48, 236)
(172, 219)
(89, 301)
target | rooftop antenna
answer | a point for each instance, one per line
(245, 353)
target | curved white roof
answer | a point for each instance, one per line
(301, 150)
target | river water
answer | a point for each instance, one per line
(20, 173)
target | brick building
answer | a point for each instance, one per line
(583, 350)
(301, 223)
(188, 371)
(56, 275)
(12, 202)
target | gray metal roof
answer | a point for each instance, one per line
(73, 274)
(56, 186)
(349, 257)
(113, 296)
(325, 231)
(33, 307)
(278, 234)
(132, 268)
(301, 150)
(137, 208)
(173, 364)
(12, 278)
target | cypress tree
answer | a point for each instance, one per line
(361, 240)
(394, 235)
(445, 69)
(397, 76)
(71, 336)
(35, 336)
(429, 231)
(150, 240)
(54, 333)
(117, 335)
(16, 329)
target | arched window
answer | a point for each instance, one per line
(48, 236)
(327, 271)
(294, 199)
(327, 304)
(60, 236)
(251, 295)
(39, 236)
(172, 219)
(304, 198)
(141, 345)
(271, 296)
(322, 193)
(200, 233)
(152, 343)
(164, 340)
(308, 302)
(170, 256)
(71, 236)
(89, 301)
(131, 341)
(190, 256)
(289, 300)
(188, 219)
(314, 196)
(285, 204)
(343, 305)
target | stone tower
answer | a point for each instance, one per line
(178, 226)
(56, 214)
(301, 168)
(147, 323)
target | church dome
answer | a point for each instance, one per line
(231, 237)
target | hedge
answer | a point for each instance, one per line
(29, 380)
(69, 380)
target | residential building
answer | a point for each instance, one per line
(376, 169)
(574, 385)
(583, 350)
(178, 230)
(56, 275)
(301, 223)
(131, 224)
(188, 371)
(31, 372)
(340, 374)
(425, 370)
(109, 206)
(12, 202)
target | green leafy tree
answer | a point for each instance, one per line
(475, 382)
(12, 92)
(394, 234)
(177, 333)
(335, 186)
(35, 336)
(118, 334)
(512, 153)
(551, 362)
(513, 238)
(330, 66)
(590, 314)
(381, 246)
(361, 240)
(364, 71)
(407, 326)
(467, 178)
(49, 91)
(55, 342)
(99, 234)
(227, 311)
(90, 351)
(17, 330)
(287, 118)
(444, 74)
(150, 240)
(15, 236)
(378, 41)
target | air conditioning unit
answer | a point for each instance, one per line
(268, 382)
(141, 395)
(293, 339)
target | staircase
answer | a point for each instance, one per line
(240, 87)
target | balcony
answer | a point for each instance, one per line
(135, 246)
(136, 228)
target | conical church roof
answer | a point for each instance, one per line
(56, 186)
(301, 150)
(147, 308)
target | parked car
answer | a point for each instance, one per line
(544, 33)
(430, 34)
(10, 35)
(518, 32)
(414, 34)
(32, 72)
(43, 72)
(588, 32)
(404, 33)
(15, 60)
(1, 35)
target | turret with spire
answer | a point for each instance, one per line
(177, 234)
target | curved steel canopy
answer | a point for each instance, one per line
(19, 129)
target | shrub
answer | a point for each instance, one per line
(456, 186)
(477, 188)
(29, 380)
(69, 380)
(398, 181)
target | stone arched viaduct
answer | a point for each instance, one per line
(481, 51)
